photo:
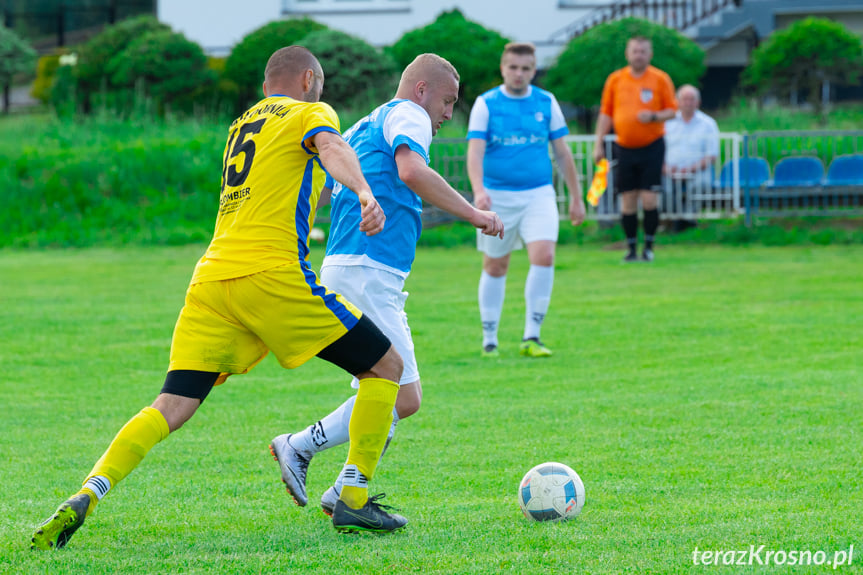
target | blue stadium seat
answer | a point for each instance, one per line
(797, 172)
(752, 171)
(846, 171)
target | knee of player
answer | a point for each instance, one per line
(408, 405)
(496, 268)
(545, 260)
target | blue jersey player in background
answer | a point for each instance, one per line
(392, 144)
(510, 171)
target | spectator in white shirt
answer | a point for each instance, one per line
(692, 146)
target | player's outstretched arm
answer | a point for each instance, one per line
(340, 160)
(431, 187)
(566, 165)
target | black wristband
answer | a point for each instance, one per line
(654, 117)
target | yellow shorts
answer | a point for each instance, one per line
(228, 326)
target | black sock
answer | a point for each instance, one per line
(630, 228)
(651, 224)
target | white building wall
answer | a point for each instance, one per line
(518, 20)
(219, 24)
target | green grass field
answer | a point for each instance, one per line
(709, 400)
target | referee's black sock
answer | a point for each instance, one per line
(630, 228)
(651, 224)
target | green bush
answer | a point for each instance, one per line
(579, 74)
(64, 89)
(805, 55)
(246, 63)
(226, 93)
(94, 56)
(475, 51)
(166, 65)
(357, 75)
(104, 181)
(46, 70)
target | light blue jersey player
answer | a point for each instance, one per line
(376, 138)
(392, 144)
(509, 133)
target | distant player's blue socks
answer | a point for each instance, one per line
(537, 296)
(491, 295)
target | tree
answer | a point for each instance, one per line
(579, 74)
(246, 63)
(357, 75)
(167, 65)
(16, 56)
(808, 54)
(94, 56)
(474, 51)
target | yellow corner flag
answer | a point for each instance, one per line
(599, 183)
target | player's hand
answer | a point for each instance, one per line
(372, 215)
(598, 153)
(488, 222)
(481, 200)
(576, 211)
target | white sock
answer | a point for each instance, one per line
(330, 431)
(353, 477)
(537, 296)
(98, 484)
(491, 294)
(340, 480)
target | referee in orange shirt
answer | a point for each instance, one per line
(637, 100)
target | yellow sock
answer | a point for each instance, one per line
(93, 499)
(369, 426)
(129, 447)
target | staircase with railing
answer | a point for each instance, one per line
(677, 14)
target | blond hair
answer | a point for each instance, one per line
(429, 67)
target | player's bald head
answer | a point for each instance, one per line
(429, 68)
(287, 67)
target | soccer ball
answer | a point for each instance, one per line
(551, 492)
(317, 235)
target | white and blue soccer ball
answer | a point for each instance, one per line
(551, 492)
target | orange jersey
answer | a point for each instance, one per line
(625, 95)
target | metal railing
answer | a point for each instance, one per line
(699, 197)
(717, 196)
(676, 14)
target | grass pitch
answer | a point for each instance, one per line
(711, 400)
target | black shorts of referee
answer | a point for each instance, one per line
(639, 168)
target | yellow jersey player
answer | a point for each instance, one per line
(253, 292)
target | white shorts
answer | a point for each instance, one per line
(527, 216)
(379, 295)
